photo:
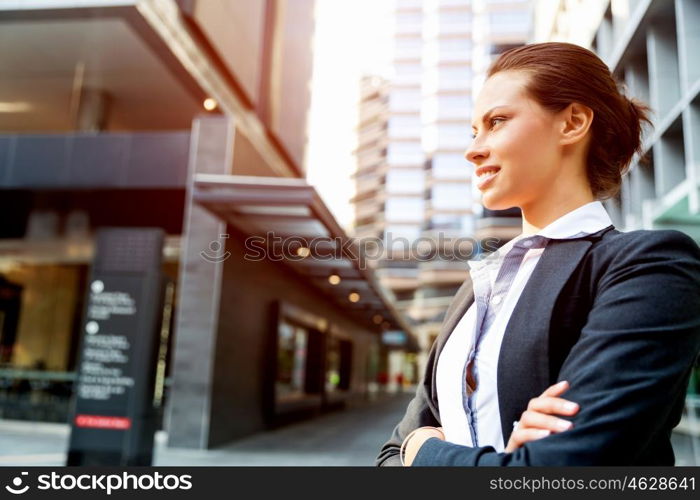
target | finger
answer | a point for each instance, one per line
(536, 420)
(553, 406)
(556, 389)
(522, 436)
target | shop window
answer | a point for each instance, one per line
(338, 364)
(297, 361)
(345, 364)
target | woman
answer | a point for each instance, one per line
(613, 317)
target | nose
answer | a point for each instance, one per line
(476, 152)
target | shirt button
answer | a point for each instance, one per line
(497, 300)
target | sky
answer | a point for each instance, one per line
(350, 39)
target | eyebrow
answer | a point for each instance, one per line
(489, 113)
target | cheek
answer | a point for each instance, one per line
(527, 148)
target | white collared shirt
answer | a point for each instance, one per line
(587, 219)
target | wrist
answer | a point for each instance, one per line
(416, 439)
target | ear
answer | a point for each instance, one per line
(576, 120)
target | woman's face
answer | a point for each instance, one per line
(516, 136)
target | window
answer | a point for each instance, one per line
(454, 106)
(291, 360)
(405, 126)
(461, 20)
(405, 100)
(452, 49)
(408, 209)
(451, 196)
(332, 364)
(408, 232)
(450, 166)
(338, 364)
(407, 73)
(508, 22)
(405, 18)
(453, 136)
(461, 74)
(408, 47)
(405, 181)
(402, 153)
(463, 223)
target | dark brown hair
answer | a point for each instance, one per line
(562, 73)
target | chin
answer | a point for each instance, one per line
(492, 201)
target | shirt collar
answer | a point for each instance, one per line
(586, 219)
(582, 221)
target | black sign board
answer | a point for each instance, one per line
(113, 419)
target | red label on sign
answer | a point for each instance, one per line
(102, 422)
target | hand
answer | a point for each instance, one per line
(416, 441)
(536, 422)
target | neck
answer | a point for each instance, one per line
(551, 206)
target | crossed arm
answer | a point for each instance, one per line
(628, 371)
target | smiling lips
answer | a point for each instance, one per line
(486, 175)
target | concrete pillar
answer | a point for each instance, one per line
(190, 398)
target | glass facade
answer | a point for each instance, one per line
(451, 166)
(453, 136)
(291, 361)
(405, 126)
(405, 181)
(454, 106)
(408, 231)
(407, 73)
(451, 196)
(404, 209)
(510, 22)
(405, 100)
(405, 153)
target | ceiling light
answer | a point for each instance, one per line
(354, 297)
(210, 104)
(303, 252)
(334, 279)
(14, 107)
(377, 319)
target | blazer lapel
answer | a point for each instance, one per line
(523, 363)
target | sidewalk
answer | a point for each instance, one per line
(349, 437)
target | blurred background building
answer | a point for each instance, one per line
(189, 116)
(413, 186)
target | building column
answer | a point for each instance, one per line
(189, 401)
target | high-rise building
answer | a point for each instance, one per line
(499, 25)
(414, 186)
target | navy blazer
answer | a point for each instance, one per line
(618, 316)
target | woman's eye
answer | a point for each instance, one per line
(496, 120)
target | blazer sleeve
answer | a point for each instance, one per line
(630, 367)
(418, 414)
